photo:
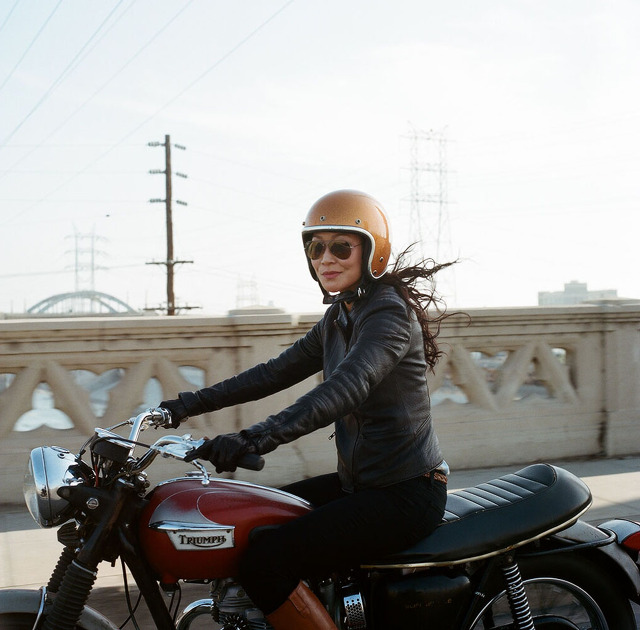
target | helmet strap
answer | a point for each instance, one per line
(346, 296)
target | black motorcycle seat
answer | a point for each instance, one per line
(498, 515)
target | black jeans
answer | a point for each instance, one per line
(344, 530)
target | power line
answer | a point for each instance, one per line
(225, 56)
(100, 89)
(202, 75)
(6, 19)
(60, 77)
(81, 56)
(160, 109)
(28, 274)
(33, 41)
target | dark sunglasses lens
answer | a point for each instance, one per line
(315, 249)
(340, 249)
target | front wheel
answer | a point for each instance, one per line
(19, 610)
(565, 592)
(21, 621)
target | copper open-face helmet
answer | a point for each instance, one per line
(358, 213)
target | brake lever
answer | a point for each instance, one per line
(178, 450)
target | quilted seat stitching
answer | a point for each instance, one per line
(466, 494)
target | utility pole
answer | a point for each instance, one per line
(170, 262)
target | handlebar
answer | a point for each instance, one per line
(173, 446)
(251, 461)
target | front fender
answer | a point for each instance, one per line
(28, 601)
(626, 568)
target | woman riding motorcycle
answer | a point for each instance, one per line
(374, 345)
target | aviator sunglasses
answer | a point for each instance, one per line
(339, 249)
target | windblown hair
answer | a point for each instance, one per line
(406, 278)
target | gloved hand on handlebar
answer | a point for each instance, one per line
(177, 409)
(224, 451)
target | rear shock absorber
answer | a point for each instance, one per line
(517, 597)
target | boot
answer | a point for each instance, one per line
(302, 611)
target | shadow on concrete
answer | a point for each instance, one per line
(111, 602)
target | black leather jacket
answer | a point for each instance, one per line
(374, 390)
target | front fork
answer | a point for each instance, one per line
(74, 575)
(74, 591)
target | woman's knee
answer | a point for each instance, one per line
(265, 557)
(265, 573)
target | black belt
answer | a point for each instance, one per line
(437, 475)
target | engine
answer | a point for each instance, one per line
(229, 607)
(232, 608)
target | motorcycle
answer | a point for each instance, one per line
(510, 554)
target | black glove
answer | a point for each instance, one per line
(224, 451)
(177, 409)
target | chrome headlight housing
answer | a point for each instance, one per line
(49, 468)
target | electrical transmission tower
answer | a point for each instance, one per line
(85, 260)
(170, 262)
(429, 216)
(247, 293)
(429, 212)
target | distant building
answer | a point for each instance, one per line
(574, 293)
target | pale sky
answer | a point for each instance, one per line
(278, 102)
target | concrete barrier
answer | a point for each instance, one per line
(516, 385)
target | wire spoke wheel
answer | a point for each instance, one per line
(565, 592)
(554, 604)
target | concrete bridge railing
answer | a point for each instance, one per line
(516, 385)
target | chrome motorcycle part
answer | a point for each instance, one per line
(199, 608)
(92, 503)
(353, 609)
(517, 597)
(43, 601)
(197, 537)
(49, 469)
(229, 607)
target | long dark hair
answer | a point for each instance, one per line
(406, 278)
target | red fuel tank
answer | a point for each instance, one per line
(194, 531)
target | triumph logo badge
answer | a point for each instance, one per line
(190, 537)
(200, 540)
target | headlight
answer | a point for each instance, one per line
(49, 468)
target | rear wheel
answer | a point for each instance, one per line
(566, 592)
